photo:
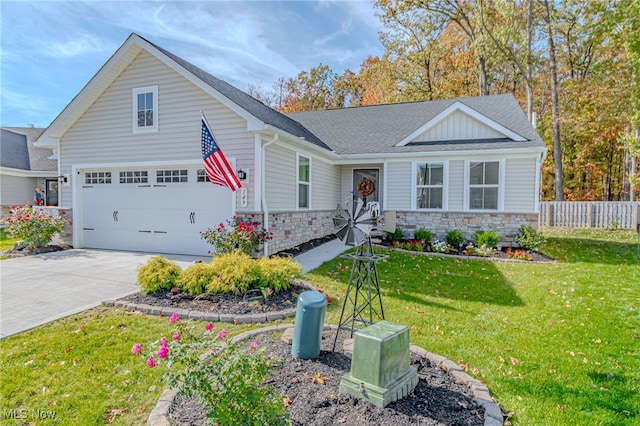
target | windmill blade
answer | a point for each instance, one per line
(342, 232)
(358, 208)
(364, 227)
(355, 237)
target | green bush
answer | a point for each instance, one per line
(396, 235)
(529, 238)
(34, 228)
(454, 238)
(195, 279)
(422, 235)
(487, 238)
(157, 274)
(233, 273)
(276, 272)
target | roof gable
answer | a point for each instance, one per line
(257, 115)
(459, 122)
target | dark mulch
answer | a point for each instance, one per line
(40, 250)
(252, 302)
(436, 400)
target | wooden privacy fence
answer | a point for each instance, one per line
(589, 214)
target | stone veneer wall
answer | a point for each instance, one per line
(506, 224)
(293, 228)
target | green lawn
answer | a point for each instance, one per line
(6, 243)
(557, 344)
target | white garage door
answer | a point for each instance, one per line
(160, 210)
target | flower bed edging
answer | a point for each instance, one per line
(492, 412)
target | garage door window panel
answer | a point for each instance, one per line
(97, 178)
(172, 176)
(134, 176)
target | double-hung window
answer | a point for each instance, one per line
(429, 185)
(145, 109)
(304, 182)
(484, 185)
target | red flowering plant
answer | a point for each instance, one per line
(237, 234)
(34, 228)
(518, 254)
(227, 380)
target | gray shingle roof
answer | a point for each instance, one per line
(248, 103)
(17, 150)
(377, 129)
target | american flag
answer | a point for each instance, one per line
(218, 169)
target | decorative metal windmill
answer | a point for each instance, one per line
(362, 303)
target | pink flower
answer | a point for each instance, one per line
(163, 341)
(173, 318)
(254, 344)
(249, 351)
(151, 362)
(176, 336)
(209, 326)
(136, 349)
(222, 334)
(163, 351)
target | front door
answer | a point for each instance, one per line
(366, 185)
(52, 193)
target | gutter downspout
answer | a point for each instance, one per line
(263, 198)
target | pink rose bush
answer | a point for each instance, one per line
(229, 382)
(34, 229)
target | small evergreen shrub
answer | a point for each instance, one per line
(396, 235)
(529, 238)
(276, 272)
(233, 273)
(157, 274)
(422, 235)
(454, 238)
(487, 238)
(195, 279)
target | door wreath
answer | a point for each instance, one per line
(366, 187)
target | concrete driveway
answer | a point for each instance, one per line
(35, 290)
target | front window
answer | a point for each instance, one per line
(304, 180)
(145, 109)
(484, 182)
(429, 185)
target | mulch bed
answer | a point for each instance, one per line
(40, 250)
(436, 400)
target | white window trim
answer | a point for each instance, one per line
(298, 182)
(445, 185)
(134, 96)
(501, 184)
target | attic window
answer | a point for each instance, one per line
(145, 109)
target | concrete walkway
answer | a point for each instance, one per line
(35, 290)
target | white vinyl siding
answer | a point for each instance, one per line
(520, 186)
(325, 185)
(458, 126)
(398, 191)
(17, 190)
(455, 189)
(103, 134)
(280, 179)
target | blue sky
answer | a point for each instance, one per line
(51, 49)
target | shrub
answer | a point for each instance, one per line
(396, 235)
(233, 273)
(487, 238)
(454, 238)
(441, 247)
(422, 235)
(157, 274)
(482, 250)
(227, 380)
(529, 238)
(238, 234)
(276, 272)
(195, 279)
(34, 229)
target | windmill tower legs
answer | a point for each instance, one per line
(362, 302)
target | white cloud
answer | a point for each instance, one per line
(75, 45)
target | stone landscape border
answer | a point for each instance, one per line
(492, 412)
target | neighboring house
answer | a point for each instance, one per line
(23, 167)
(130, 143)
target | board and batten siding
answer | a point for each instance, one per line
(520, 186)
(458, 126)
(104, 134)
(398, 186)
(17, 190)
